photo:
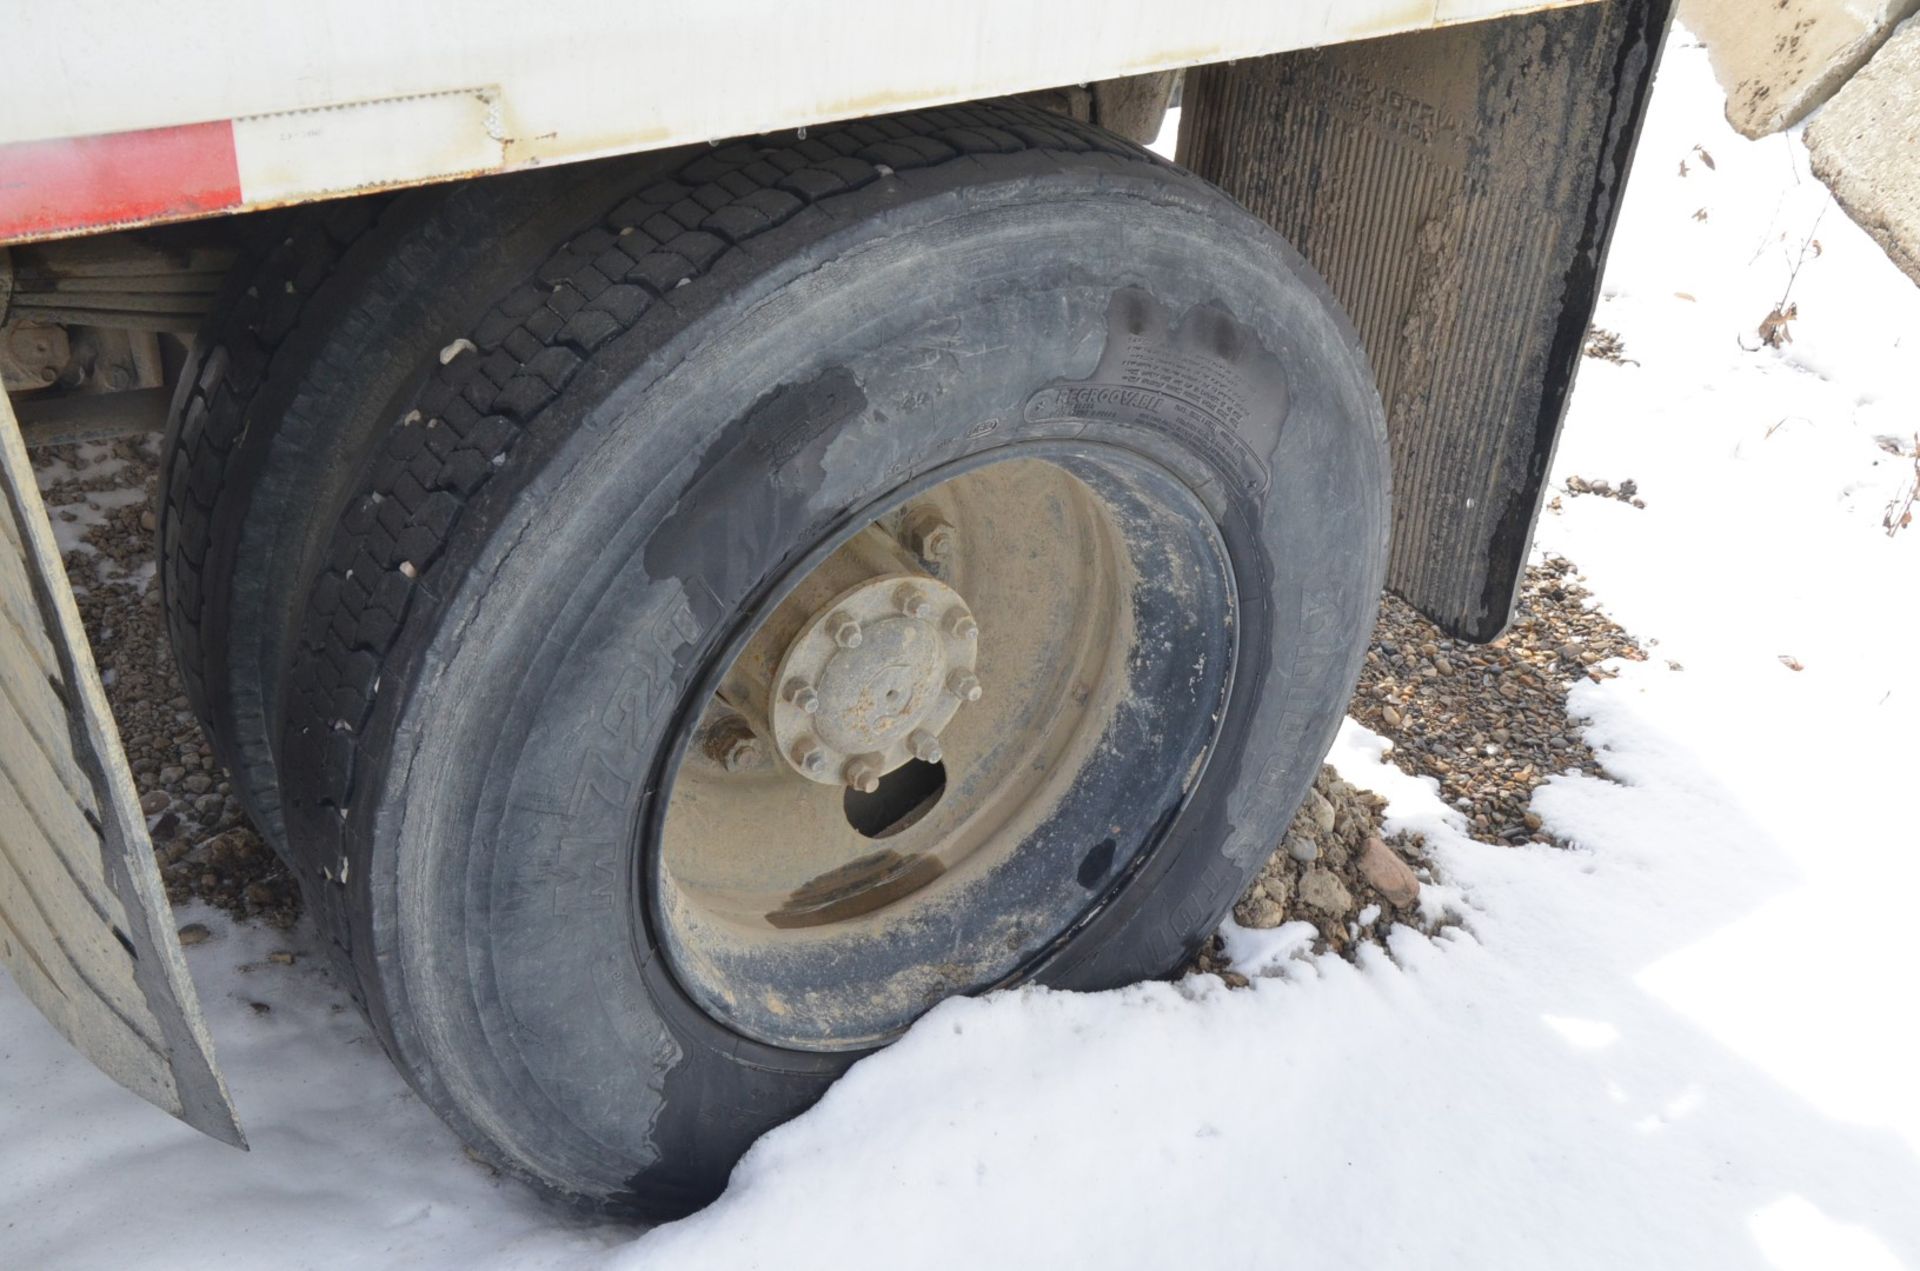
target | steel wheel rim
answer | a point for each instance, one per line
(814, 940)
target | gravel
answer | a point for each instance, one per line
(1488, 722)
(206, 848)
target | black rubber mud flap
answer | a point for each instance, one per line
(84, 926)
(1457, 190)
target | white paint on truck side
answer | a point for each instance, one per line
(286, 157)
(355, 94)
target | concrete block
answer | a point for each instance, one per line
(1866, 147)
(1778, 59)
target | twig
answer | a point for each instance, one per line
(1793, 275)
(1900, 510)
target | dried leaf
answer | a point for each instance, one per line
(1774, 331)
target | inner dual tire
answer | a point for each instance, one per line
(613, 428)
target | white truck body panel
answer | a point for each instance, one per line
(346, 95)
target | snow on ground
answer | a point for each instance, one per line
(1687, 1042)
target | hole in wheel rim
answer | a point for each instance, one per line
(905, 795)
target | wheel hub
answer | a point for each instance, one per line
(872, 678)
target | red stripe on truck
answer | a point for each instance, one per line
(86, 182)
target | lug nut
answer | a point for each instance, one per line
(808, 756)
(961, 626)
(910, 600)
(844, 631)
(734, 746)
(964, 685)
(924, 746)
(863, 773)
(745, 755)
(802, 696)
(928, 535)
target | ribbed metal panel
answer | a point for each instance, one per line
(1456, 189)
(84, 926)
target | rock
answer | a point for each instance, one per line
(194, 933)
(198, 783)
(1568, 653)
(171, 774)
(1387, 874)
(281, 957)
(1259, 912)
(1325, 892)
(148, 521)
(1391, 715)
(1235, 980)
(1321, 811)
(1303, 849)
(154, 802)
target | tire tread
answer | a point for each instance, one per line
(489, 389)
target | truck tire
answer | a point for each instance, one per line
(296, 366)
(207, 480)
(926, 555)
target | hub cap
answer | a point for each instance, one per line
(873, 679)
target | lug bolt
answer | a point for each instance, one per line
(802, 697)
(809, 757)
(910, 600)
(863, 774)
(924, 746)
(961, 626)
(844, 631)
(964, 685)
(745, 755)
(733, 746)
(928, 535)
